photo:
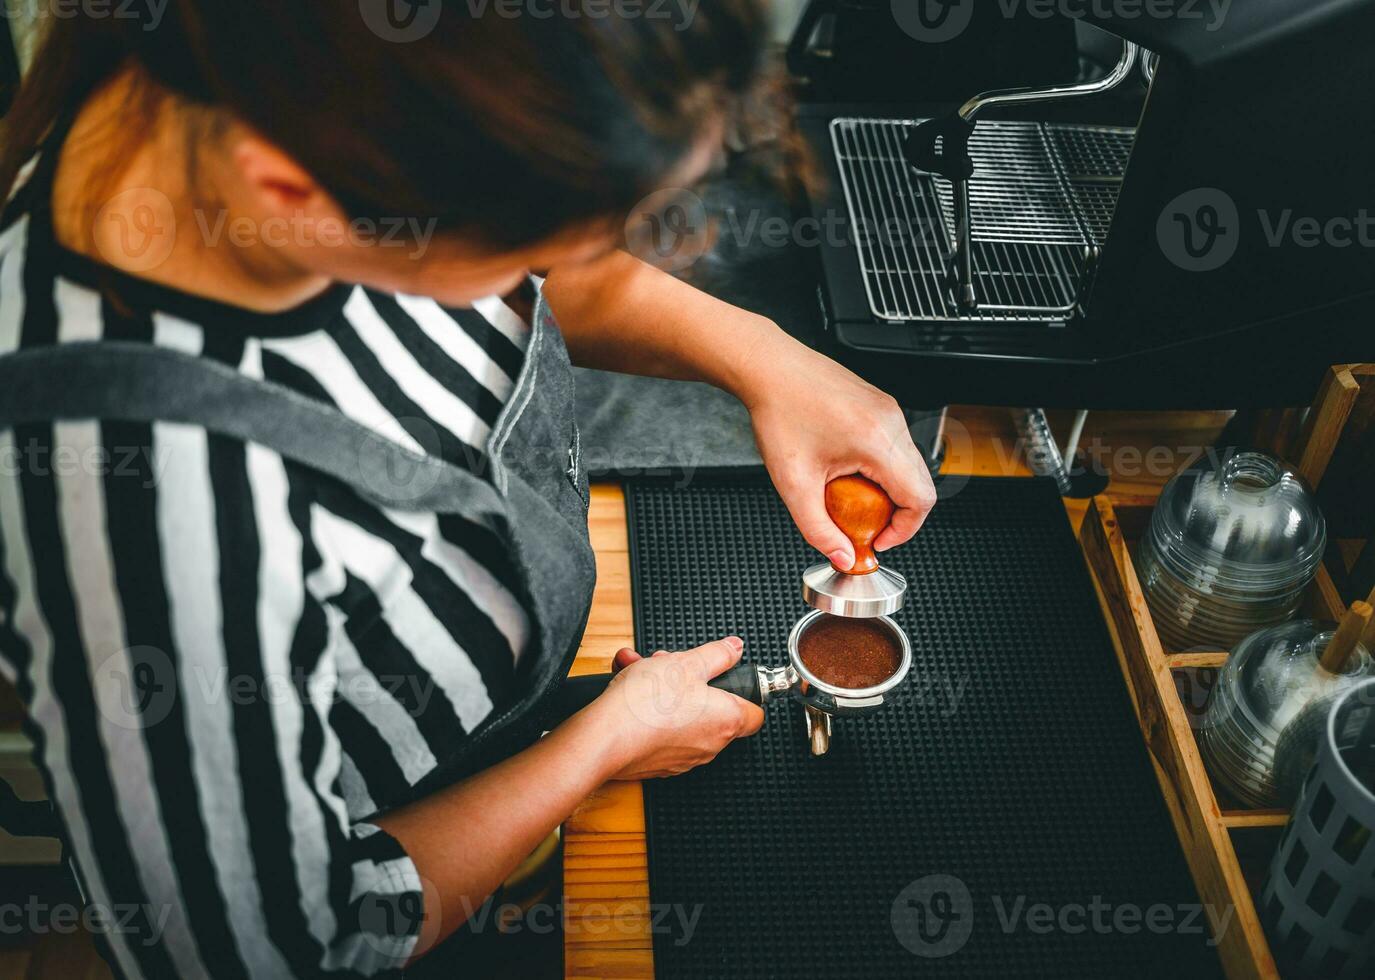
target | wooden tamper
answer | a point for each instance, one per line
(862, 510)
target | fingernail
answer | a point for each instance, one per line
(841, 558)
(736, 643)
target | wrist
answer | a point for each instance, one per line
(598, 737)
(761, 353)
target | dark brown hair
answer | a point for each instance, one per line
(505, 122)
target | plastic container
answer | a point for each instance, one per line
(1230, 549)
(1269, 684)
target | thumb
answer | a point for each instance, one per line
(807, 505)
(716, 658)
(623, 658)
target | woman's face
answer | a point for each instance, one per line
(290, 226)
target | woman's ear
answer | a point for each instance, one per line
(278, 182)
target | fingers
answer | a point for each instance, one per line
(910, 486)
(623, 658)
(806, 500)
(711, 659)
(751, 718)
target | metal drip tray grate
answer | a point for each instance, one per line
(1042, 199)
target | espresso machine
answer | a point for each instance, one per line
(867, 590)
(1192, 197)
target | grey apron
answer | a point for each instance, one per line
(537, 500)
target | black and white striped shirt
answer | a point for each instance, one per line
(229, 661)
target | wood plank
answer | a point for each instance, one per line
(1165, 725)
(605, 860)
(1197, 658)
(1234, 819)
(14, 962)
(1321, 433)
(1323, 600)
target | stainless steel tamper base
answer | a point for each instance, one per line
(878, 593)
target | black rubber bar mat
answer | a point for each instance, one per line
(999, 818)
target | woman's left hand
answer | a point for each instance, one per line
(814, 421)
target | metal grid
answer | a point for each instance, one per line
(1093, 160)
(1042, 198)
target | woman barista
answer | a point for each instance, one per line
(257, 661)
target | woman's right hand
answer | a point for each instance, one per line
(661, 718)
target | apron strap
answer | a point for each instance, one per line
(139, 383)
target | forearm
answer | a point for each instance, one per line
(466, 840)
(621, 314)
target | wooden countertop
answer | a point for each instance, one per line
(605, 864)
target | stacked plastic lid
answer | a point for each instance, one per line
(1230, 550)
(1270, 684)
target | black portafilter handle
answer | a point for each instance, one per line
(577, 693)
(941, 146)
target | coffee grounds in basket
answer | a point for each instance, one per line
(849, 653)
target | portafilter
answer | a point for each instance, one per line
(866, 591)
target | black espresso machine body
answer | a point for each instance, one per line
(1201, 237)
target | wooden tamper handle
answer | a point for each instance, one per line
(861, 509)
(1348, 634)
(1368, 637)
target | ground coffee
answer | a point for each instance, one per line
(850, 653)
